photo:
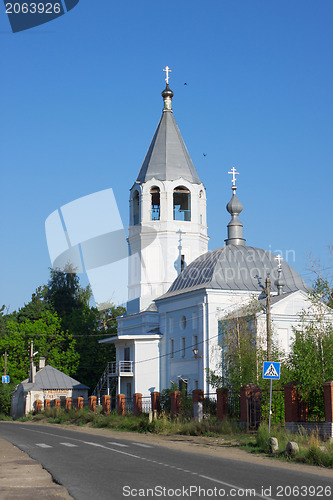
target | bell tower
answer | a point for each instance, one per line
(167, 226)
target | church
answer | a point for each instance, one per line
(178, 291)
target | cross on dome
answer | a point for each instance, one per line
(233, 173)
(167, 71)
(279, 259)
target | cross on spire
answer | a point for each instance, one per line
(167, 71)
(234, 173)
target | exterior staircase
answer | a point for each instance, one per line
(107, 383)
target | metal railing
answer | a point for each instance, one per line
(120, 368)
(146, 404)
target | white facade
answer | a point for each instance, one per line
(159, 244)
(168, 232)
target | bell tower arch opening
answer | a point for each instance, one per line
(136, 208)
(182, 204)
(155, 203)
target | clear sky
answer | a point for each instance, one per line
(80, 101)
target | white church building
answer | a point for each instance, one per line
(178, 291)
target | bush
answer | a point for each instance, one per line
(5, 397)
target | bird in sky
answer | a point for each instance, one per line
(205, 154)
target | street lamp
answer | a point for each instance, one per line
(195, 352)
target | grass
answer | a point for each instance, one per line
(312, 450)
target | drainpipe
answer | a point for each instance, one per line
(205, 346)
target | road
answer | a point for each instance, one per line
(99, 467)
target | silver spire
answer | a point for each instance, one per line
(279, 283)
(234, 207)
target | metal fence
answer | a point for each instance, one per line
(210, 405)
(146, 404)
(277, 416)
(315, 407)
(234, 405)
(129, 407)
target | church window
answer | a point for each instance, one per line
(129, 391)
(183, 322)
(181, 204)
(195, 341)
(196, 384)
(194, 321)
(155, 203)
(182, 262)
(136, 208)
(183, 346)
(171, 348)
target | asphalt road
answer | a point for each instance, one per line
(94, 467)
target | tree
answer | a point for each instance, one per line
(242, 349)
(64, 293)
(49, 340)
(311, 357)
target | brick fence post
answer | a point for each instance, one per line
(222, 403)
(176, 403)
(92, 403)
(57, 403)
(121, 404)
(79, 403)
(47, 403)
(290, 402)
(155, 401)
(137, 403)
(106, 404)
(328, 401)
(68, 404)
(197, 399)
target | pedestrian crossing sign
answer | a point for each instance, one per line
(271, 370)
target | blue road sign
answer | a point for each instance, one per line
(271, 370)
(5, 379)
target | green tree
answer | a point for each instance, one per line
(91, 326)
(242, 350)
(64, 293)
(51, 342)
(311, 356)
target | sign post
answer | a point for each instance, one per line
(271, 371)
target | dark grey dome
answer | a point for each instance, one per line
(235, 267)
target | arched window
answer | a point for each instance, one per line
(136, 208)
(155, 203)
(181, 204)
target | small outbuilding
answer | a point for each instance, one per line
(48, 383)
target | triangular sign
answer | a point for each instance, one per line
(271, 372)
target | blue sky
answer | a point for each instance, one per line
(81, 101)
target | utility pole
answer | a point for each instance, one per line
(32, 374)
(268, 318)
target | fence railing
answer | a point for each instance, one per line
(146, 404)
(121, 367)
(278, 410)
(233, 405)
